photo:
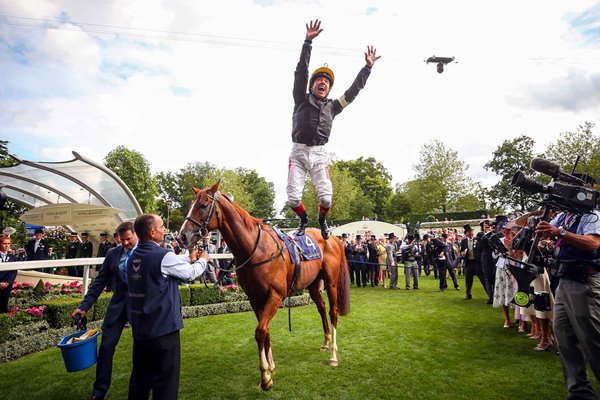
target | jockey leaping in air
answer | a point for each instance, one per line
(312, 120)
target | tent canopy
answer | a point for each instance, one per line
(79, 181)
(89, 218)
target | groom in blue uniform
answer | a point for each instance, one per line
(154, 310)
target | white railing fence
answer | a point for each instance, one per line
(71, 263)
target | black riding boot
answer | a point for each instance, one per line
(303, 223)
(324, 227)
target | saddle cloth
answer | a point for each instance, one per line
(300, 248)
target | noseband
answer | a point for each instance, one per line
(202, 226)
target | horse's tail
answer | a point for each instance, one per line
(343, 292)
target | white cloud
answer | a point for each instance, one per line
(220, 89)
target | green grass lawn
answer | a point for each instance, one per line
(394, 344)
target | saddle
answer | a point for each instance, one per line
(300, 248)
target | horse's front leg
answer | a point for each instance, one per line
(263, 340)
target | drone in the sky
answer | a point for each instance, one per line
(440, 61)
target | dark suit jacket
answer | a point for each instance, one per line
(40, 254)
(108, 276)
(9, 276)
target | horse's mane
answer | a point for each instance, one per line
(249, 220)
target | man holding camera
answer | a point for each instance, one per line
(409, 257)
(577, 303)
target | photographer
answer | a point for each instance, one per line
(577, 303)
(410, 252)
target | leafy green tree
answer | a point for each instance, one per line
(507, 159)
(441, 179)
(397, 207)
(261, 191)
(133, 168)
(373, 179)
(249, 190)
(349, 202)
(583, 143)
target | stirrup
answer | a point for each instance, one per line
(324, 228)
(302, 227)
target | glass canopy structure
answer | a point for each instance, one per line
(80, 181)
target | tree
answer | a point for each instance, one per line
(507, 159)
(582, 143)
(373, 179)
(397, 207)
(441, 179)
(349, 201)
(249, 190)
(133, 168)
(261, 191)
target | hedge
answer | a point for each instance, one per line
(200, 294)
(99, 309)
(58, 311)
(37, 337)
(184, 293)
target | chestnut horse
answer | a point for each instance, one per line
(264, 269)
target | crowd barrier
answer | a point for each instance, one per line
(88, 264)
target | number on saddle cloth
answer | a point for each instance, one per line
(302, 247)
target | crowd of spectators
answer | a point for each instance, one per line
(448, 253)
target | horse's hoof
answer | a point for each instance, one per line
(333, 363)
(267, 386)
(324, 349)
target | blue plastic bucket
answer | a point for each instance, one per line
(79, 355)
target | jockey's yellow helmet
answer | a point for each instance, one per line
(323, 71)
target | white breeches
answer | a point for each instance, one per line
(308, 160)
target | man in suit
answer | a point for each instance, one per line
(154, 309)
(373, 265)
(360, 258)
(446, 261)
(472, 263)
(111, 275)
(6, 277)
(86, 248)
(72, 250)
(488, 262)
(104, 245)
(37, 248)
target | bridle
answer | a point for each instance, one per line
(202, 226)
(203, 230)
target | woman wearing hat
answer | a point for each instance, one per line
(312, 120)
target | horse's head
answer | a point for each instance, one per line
(202, 217)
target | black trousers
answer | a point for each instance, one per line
(489, 272)
(472, 269)
(4, 296)
(351, 268)
(156, 368)
(111, 333)
(442, 268)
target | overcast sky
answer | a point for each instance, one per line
(187, 81)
